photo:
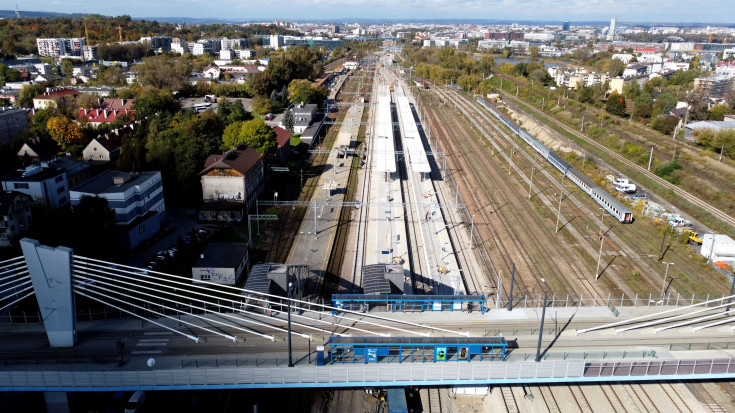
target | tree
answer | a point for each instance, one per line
(665, 124)
(65, 132)
(616, 104)
(586, 95)
(93, 223)
(643, 105)
(162, 72)
(152, 102)
(288, 121)
(237, 113)
(255, 133)
(616, 68)
(632, 89)
(8, 75)
(28, 92)
(67, 66)
(534, 51)
(301, 91)
(718, 111)
(261, 105)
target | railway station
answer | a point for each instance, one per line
(410, 303)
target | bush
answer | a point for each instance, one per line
(668, 171)
(665, 124)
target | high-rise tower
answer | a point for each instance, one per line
(611, 31)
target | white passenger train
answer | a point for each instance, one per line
(611, 205)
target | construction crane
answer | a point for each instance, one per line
(695, 65)
(86, 33)
(119, 33)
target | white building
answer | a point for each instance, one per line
(611, 31)
(221, 263)
(44, 184)
(59, 47)
(235, 176)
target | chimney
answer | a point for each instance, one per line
(105, 113)
(201, 255)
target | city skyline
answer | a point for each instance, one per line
(677, 11)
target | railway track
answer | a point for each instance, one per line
(716, 212)
(512, 218)
(620, 240)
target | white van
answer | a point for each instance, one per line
(136, 402)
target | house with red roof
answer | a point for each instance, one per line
(97, 117)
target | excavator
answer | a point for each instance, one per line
(692, 236)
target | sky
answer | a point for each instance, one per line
(685, 11)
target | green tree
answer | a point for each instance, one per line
(616, 104)
(301, 91)
(28, 92)
(664, 103)
(643, 105)
(632, 89)
(238, 113)
(719, 111)
(534, 51)
(8, 75)
(254, 133)
(162, 72)
(93, 224)
(67, 66)
(288, 121)
(586, 95)
(665, 124)
(261, 105)
(152, 102)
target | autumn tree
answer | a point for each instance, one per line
(65, 132)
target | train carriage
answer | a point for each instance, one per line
(621, 212)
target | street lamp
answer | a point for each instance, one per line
(666, 273)
(541, 329)
(290, 356)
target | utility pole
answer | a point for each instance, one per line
(541, 329)
(666, 273)
(512, 281)
(530, 184)
(650, 158)
(472, 229)
(290, 356)
(599, 256)
(561, 196)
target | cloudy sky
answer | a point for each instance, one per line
(700, 11)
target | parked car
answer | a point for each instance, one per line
(269, 116)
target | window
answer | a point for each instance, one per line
(20, 186)
(60, 190)
(206, 277)
(95, 149)
(100, 156)
(59, 178)
(141, 229)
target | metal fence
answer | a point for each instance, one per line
(612, 301)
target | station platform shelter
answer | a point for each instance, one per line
(415, 349)
(410, 303)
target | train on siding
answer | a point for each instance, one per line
(608, 202)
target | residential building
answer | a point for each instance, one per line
(77, 172)
(221, 263)
(89, 53)
(231, 182)
(283, 137)
(712, 86)
(12, 95)
(234, 44)
(179, 46)
(12, 122)
(59, 47)
(51, 96)
(573, 76)
(47, 185)
(97, 117)
(136, 199)
(159, 43)
(303, 116)
(725, 69)
(611, 30)
(38, 150)
(15, 216)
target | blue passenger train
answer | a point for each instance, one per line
(608, 202)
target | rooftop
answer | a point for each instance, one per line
(222, 255)
(241, 159)
(33, 174)
(104, 184)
